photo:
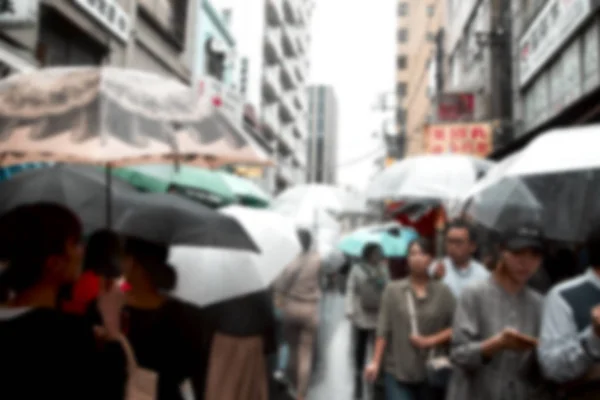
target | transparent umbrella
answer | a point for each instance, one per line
(443, 177)
(561, 171)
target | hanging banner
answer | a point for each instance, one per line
(474, 139)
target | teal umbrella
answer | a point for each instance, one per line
(392, 246)
(248, 193)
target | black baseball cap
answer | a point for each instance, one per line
(523, 236)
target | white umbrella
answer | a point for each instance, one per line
(210, 275)
(444, 177)
(313, 196)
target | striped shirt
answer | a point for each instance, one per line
(485, 309)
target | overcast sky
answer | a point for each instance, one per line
(353, 49)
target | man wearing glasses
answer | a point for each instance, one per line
(458, 269)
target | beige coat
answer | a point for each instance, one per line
(299, 289)
(237, 369)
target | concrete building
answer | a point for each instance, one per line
(215, 45)
(477, 49)
(274, 36)
(418, 26)
(321, 156)
(556, 67)
(153, 35)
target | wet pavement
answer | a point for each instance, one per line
(334, 370)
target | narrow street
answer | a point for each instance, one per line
(333, 378)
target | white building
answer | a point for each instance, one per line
(321, 163)
(274, 37)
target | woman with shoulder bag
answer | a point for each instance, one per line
(365, 286)
(413, 330)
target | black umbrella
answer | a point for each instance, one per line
(174, 220)
(83, 189)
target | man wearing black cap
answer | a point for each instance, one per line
(496, 323)
(569, 351)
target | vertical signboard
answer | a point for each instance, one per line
(557, 89)
(572, 72)
(591, 72)
(475, 139)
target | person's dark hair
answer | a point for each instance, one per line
(462, 224)
(102, 254)
(305, 238)
(395, 231)
(593, 245)
(153, 259)
(425, 244)
(29, 234)
(369, 249)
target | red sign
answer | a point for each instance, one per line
(474, 139)
(456, 107)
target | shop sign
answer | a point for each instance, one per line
(19, 12)
(454, 107)
(474, 139)
(571, 61)
(555, 23)
(250, 172)
(591, 72)
(110, 14)
(215, 94)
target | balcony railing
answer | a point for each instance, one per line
(272, 83)
(273, 50)
(288, 77)
(289, 12)
(287, 111)
(288, 40)
(275, 15)
(270, 119)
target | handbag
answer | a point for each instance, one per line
(438, 367)
(141, 382)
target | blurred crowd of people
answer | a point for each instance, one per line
(525, 324)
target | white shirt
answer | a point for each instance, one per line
(458, 278)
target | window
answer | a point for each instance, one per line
(401, 62)
(401, 116)
(403, 9)
(402, 35)
(430, 10)
(401, 89)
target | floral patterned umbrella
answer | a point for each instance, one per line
(113, 116)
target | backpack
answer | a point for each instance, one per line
(370, 290)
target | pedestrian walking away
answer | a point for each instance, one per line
(366, 282)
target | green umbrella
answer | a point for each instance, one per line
(246, 191)
(198, 183)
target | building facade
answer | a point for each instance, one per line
(274, 38)
(215, 45)
(322, 139)
(418, 26)
(556, 67)
(477, 84)
(152, 35)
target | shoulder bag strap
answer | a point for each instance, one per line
(412, 312)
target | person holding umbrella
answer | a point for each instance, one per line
(45, 352)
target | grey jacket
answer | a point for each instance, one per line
(354, 310)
